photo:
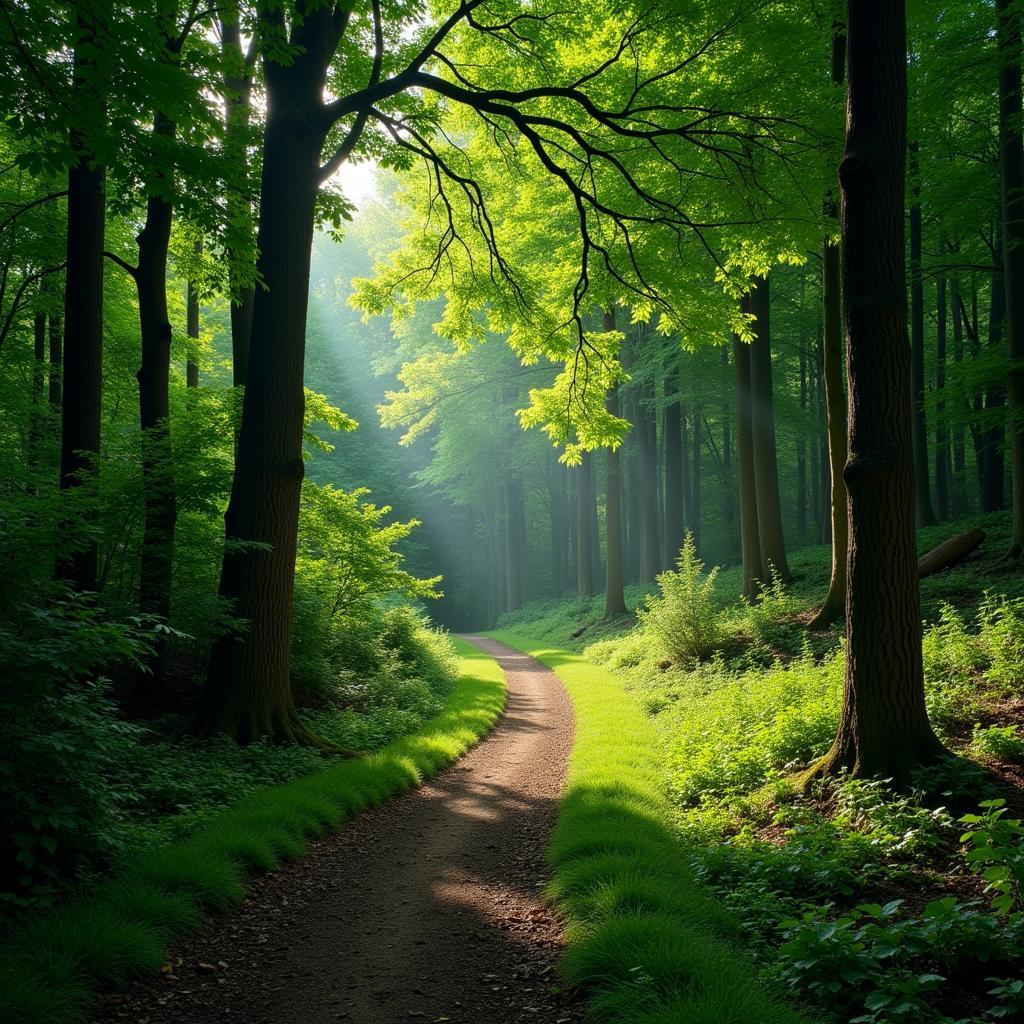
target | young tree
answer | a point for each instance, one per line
(884, 729)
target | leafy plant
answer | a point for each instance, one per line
(996, 853)
(683, 620)
(1000, 741)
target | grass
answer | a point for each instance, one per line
(646, 944)
(52, 968)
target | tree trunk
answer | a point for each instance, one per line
(801, 452)
(766, 470)
(192, 328)
(1011, 176)
(942, 465)
(515, 530)
(37, 413)
(993, 466)
(559, 540)
(949, 552)
(83, 304)
(925, 512)
(675, 530)
(960, 504)
(824, 466)
(884, 729)
(753, 567)
(614, 599)
(248, 688)
(648, 459)
(835, 398)
(56, 361)
(695, 476)
(584, 541)
(156, 556)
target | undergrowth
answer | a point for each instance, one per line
(51, 966)
(645, 943)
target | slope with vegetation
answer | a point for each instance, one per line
(869, 904)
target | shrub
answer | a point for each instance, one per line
(767, 618)
(1000, 741)
(1001, 623)
(682, 620)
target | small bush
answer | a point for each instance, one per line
(683, 619)
(767, 619)
(1000, 741)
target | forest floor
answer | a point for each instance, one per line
(426, 908)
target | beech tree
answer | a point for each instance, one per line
(884, 729)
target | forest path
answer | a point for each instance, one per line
(427, 908)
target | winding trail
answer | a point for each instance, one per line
(426, 908)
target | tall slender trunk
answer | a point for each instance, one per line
(993, 470)
(884, 729)
(648, 458)
(584, 540)
(675, 529)
(925, 512)
(801, 453)
(614, 598)
(728, 503)
(192, 327)
(942, 463)
(515, 540)
(766, 470)
(81, 409)
(695, 476)
(156, 556)
(832, 378)
(37, 413)
(248, 687)
(1011, 177)
(559, 540)
(685, 479)
(960, 504)
(56, 361)
(750, 540)
(824, 465)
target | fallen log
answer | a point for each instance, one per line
(949, 552)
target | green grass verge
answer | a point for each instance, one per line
(51, 968)
(646, 944)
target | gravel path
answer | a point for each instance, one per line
(424, 909)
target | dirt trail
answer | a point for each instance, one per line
(426, 908)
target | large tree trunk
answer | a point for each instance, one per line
(942, 463)
(884, 729)
(81, 409)
(674, 529)
(584, 540)
(156, 556)
(614, 598)
(925, 513)
(1011, 176)
(248, 687)
(835, 398)
(750, 540)
(766, 469)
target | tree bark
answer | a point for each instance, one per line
(648, 459)
(614, 598)
(248, 689)
(925, 512)
(750, 540)
(766, 469)
(156, 556)
(37, 413)
(993, 435)
(559, 539)
(960, 504)
(1011, 177)
(192, 327)
(942, 463)
(884, 729)
(949, 552)
(695, 477)
(82, 404)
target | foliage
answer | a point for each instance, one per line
(645, 943)
(52, 968)
(682, 620)
(996, 853)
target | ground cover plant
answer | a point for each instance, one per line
(54, 964)
(864, 903)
